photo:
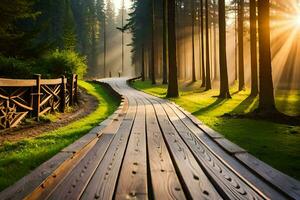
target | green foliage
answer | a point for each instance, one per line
(63, 62)
(260, 138)
(19, 158)
(14, 68)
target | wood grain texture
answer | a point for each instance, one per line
(165, 183)
(102, 184)
(132, 182)
(195, 181)
(74, 184)
(228, 182)
(230, 162)
(30, 182)
(288, 185)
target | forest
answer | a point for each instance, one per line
(227, 68)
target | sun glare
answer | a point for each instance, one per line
(297, 19)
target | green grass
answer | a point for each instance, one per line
(275, 144)
(18, 159)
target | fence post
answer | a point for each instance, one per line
(75, 98)
(71, 82)
(63, 95)
(37, 97)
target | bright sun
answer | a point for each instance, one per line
(118, 4)
(297, 19)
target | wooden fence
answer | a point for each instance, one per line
(32, 98)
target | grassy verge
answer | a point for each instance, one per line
(275, 144)
(17, 159)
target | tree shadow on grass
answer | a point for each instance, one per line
(245, 105)
(214, 105)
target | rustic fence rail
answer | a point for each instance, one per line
(20, 98)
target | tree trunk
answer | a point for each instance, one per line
(104, 46)
(193, 42)
(241, 45)
(208, 79)
(173, 82)
(153, 80)
(202, 43)
(215, 40)
(224, 87)
(266, 91)
(253, 46)
(165, 45)
(143, 63)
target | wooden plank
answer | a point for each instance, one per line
(132, 182)
(28, 183)
(102, 184)
(230, 161)
(17, 82)
(224, 179)
(164, 180)
(229, 146)
(196, 183)
(74, 184)
(45, 188)
(286, 184)
(52, 81)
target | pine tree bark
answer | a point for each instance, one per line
(202, 43)
(208, 78)
(165, 44)
(253, 48)
(104, 46)
(241, 44)
(173, 82)
(193, 42)
(266, 91)
(224, 87)
(143, 63)
(153, 79)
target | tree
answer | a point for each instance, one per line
(173, 82)
(224, 88)
(153, 80)
(193, 42)
(241, 44)
(208, 78)
(253, 46)
(11, 12)
(165, 43)
(202, 43)
(100, 9)
(266, 91)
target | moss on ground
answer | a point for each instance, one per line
(275, 144)
(19, 158)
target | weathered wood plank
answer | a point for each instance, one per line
(164, 180)
(132, 182)
(17, 82)
(286, 184)
(75, 182)
(48, 185)
(102, 184)
(229, 161)
(28, 183)
(224, 179)
(229, 146)
(196, 183)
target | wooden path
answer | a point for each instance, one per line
(153, 149)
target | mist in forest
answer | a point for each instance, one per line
(113, 39)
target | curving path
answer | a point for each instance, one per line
(153, 149)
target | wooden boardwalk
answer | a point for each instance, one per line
(153, 149)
